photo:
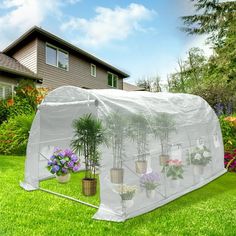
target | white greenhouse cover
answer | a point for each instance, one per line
(160, 146)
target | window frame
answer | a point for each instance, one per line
(113, 76)
(57, 57)
(91, 70)
(4, 85)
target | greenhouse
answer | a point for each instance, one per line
(150, 148)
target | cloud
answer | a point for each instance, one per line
(20, 15)
(109, 24)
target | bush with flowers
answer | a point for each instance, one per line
(173, 169)
(127, 192)
(63, 162)
(150, 181)
(230, 160)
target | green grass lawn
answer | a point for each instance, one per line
(210, 210)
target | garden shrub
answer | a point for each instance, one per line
(229, 134)
(14, 134)
(4, 112)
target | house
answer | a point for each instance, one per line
(131, 87)
(52, 62)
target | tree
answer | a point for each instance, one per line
(151, 84)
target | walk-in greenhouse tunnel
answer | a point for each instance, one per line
(159, 146)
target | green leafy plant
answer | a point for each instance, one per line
(116, 131)
(229, 133)
(138, 130)
(163, 125)
(127, 192)
(88, 135)
(14, 134)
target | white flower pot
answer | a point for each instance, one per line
(128, 203)
(174, 183)
(150, 193)
(198, 170)
(63, 178)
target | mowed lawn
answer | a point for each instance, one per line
(210, 210)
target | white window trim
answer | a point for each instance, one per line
(108, 72)
(4, 84)
(57, 49)
(91, 70)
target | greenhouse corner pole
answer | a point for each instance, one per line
(70, 198)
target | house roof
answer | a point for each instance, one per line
(131, 87)
(39, 31)
(12, 66)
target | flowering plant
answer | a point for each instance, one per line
(230, 160)
(63, 162)
(200, 155)
(150, 181)
(174, 169)
(127, 192)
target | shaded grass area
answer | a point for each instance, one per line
(210, 210)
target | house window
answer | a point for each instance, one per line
(6, 91)
(112, 80)
(57, 57)
(93, 70)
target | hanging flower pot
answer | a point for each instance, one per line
(141, 167)
(150, 193)
(63, 178)
(89, 187)
(198, 170)
(127, 194)
(117, 175)
(163, 159)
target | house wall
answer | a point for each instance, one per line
(27, 55)
(7, 80)
(77, 75)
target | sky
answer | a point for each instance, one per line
(143, 38)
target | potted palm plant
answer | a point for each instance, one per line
(88, 135)
(138, 132)
(163, 125)
(116, 128)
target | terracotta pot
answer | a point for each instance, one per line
(63, 178)
(141, 167)
(150, 193)
(117, 175)
(198, 170)
(89, 187)
(163, 159)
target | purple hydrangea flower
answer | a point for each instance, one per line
(50, 163)
(76, 168)
(57, 149)
(68, 152)
(74, 158)
(64, 170)
(52, 157)
(55, 168)
(70, 164)
(63, 161)
(61, 154)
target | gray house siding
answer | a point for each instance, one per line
(27, 55)
(78, 74)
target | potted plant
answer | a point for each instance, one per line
(150, 182)
(199, 157)
(138, 132)
(174, 171)
(88, 135)
(116, 128)
(163, 125)
(62, 163)
(127, 194)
